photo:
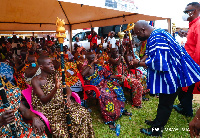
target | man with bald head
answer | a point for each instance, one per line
(169, 68)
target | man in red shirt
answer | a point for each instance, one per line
(192, 46)
(92, 38)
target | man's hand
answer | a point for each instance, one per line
(109, 34)
(7, 117)
(95, 59)
(134, 62)
(68, 101)
(38, 126)
(57, 81)
(122, 78)
(194, 127)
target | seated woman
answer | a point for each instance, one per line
(142, 77)
(15, 114)
(48, 99)
(117, 68)
(79, 58)
(71, 77)
(33, 69)
(102, 57)
(19, 69)
(111, 98)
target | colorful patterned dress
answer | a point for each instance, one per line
(21, 83)
(7, 70)
(23, 130)
(143, 77)
(56, 113)
(136, 86)
(103, 59)
(73, 81)
(111, 94)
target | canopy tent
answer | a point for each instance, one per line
(41, 15)
(38, 15)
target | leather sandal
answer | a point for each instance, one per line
(127, 113)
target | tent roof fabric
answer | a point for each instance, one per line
(41, 15)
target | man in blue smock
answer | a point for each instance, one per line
(169, 68)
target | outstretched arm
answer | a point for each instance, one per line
(144, 58)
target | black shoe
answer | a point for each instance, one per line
(145, 99)
(179, 109)
(157, 95)
(148, 122)
(138, 107)
(153, 131)
(127, 113)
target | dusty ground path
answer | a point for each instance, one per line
(196, 98)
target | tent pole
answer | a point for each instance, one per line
(70, 37)
(169, 26)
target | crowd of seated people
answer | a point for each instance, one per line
(37, 64)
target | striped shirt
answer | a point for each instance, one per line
(169, 65)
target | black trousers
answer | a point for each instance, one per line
(164, 109)
(15, 50)
(185, 99)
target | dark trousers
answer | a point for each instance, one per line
(164, 109)
(14, 50)
(185, 99)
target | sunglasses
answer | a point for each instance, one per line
(187, 11)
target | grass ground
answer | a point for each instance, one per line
(177, 126)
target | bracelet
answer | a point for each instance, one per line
(90, 66)
(139, 63)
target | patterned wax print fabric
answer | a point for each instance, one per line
(135, 84)
(56, 113)
(103, 59)
(7, 70)
(21, 83)
(143, 77)
(169, 65)
(72, 79)
(23, 130)
(143, 49)
(73, 82)
(111, 93)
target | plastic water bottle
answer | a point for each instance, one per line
(118, 129)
